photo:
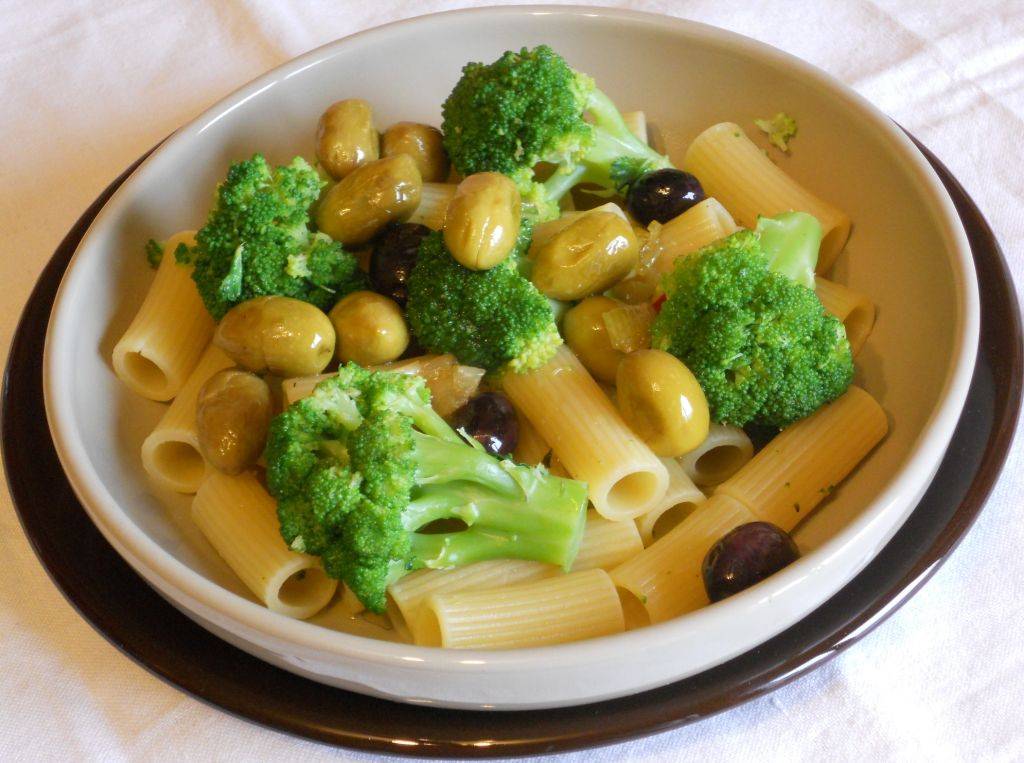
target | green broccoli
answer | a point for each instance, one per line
(791, 241)
(761, 345)
(780, 129)
(364, 463)
(531, 107)
(493, 319)
(257, 241)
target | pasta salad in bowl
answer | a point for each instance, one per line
(516, 389)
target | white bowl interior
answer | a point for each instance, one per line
(905, 252)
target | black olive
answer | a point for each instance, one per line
(744, 556)
(491, 420)
(663, 195)
(393, 257)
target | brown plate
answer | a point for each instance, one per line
(134, 618)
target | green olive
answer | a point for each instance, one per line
(346, 137)
(594, 252)
(586, 335)
(370, 328)
(284, 336)
(371, 196)
(423, 143)
(481, 224)
(662, 402)
(233, 413)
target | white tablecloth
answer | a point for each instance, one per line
(88, 86)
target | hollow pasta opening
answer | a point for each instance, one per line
(145, 372)
(179, 462)
(671, 518)
(719, 464)
(635, 488)
(302, 586)
(633, 610)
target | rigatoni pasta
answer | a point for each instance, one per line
(169, 332)
(724, 451)
(796, 470)
(698, 226)
(170, 454)
(554, 610)
(239, 519)
(735, 171)
(586, 432)
(408, 595)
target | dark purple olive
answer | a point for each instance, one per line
(491, 420)
(394, 254)
(662, 195)
(744, 556)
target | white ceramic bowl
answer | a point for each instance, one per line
(908, 251)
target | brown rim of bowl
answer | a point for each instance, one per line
(88, 571)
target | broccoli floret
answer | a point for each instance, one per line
(531, 107)
(154, 251)
(257, 241)
(493, 319)
(364, 463)
(761, 345)
(780, 129)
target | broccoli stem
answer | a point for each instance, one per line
(544, 525)
(613, 142)
(791, 241)
(439, 461)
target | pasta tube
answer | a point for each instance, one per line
(697, 227)
(168, 334)
(554, 610)
(855, 310)
(170, 454)
(735, 171)
(792, 474)
(588, 435)
(664, 580)
(239, 518)
(606, 544)
(680, 500)
(408, 595)
(723, 452)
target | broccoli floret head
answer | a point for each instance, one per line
(493, 319)
(761, 345)
(257, 241)
(364, 463)
(530, 107)
(780, 129)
